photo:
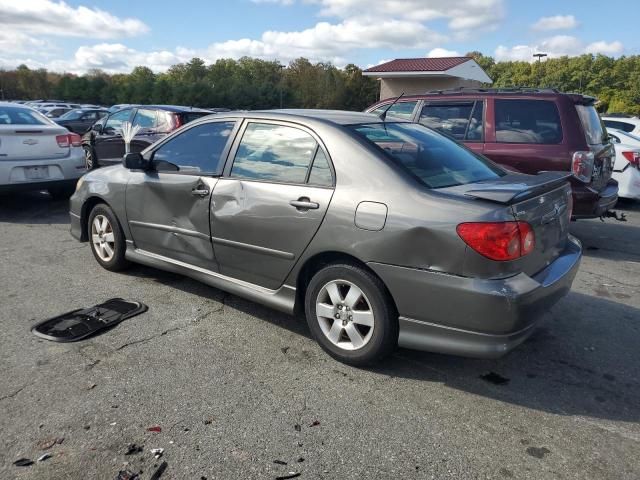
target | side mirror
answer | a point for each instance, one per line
(97, 127)
(135, 161)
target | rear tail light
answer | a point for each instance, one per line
(499, 240)
(582, 166)
(176, 121)
(633, 158)
(70, 139)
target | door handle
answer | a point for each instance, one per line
(203, 192)
(304, 204)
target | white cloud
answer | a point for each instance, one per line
(48, 17)
(557, 46)
(556, 22)
(442, 52)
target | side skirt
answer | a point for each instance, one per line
(282, 299)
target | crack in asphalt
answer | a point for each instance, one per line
(13, 394)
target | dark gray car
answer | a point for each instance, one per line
(382, 233)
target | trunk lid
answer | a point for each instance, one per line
(543, 201)
(27, 142)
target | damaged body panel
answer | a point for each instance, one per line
(296, 193)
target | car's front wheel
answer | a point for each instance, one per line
(90, 160)
(351, 314)
(106, 238)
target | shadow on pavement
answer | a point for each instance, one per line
(581, 360)
(33, 208)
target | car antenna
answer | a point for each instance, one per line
(383, 115)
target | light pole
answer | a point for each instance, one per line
(539, 56)
(282, 67)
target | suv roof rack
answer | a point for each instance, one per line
(463, 90)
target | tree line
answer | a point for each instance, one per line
(250, 83)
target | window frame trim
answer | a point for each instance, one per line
(319, 144)
(150, 154)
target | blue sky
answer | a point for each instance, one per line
(115, 36)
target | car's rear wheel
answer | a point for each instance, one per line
(90, 158)
(106, 238)
(351, 314)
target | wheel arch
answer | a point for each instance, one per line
(87, 206)
(316, 262)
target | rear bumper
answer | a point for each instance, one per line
(588, 203)
(14, 175)
(628, 183)
(475, 317)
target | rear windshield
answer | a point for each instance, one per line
(20, 116)
(191, 116)
(432, 158)
(591, 123)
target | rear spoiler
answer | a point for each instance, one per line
(508, 190)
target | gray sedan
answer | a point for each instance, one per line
(383, 233)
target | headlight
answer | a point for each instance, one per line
(80, 182)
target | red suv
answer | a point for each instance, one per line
(527, 130)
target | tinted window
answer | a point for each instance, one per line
(20, 116)
(462, 121)
(197, 150)
(115, 120)
(624, 126)
(400, 110)
(73, 115)
(191, 116)
(435, 160)
(591, 123)
(527, 121)
(145, 119)
(275, 153)
(320, 171)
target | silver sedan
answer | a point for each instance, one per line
(383, 233)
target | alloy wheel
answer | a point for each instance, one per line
(102, 238)
(88, 158)
(345, 314)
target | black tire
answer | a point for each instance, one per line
(117, 261)
(61, 193)
(384, 337)
(90, 160)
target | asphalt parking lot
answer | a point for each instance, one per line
(235, 386)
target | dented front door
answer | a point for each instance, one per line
(168, 214)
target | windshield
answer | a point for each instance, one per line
(432, 158)
(20, 116)
(593, 127)
(72, 115)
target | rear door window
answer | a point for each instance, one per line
(527, 121)
(198, 150)
(275, 153)
(591, 123)
(402, 110)
(460, 120)
(624, 126)
(145, 119)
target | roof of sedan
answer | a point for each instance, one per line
(340, 117)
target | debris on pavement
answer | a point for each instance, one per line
(298, 427)
(495, 378)
(289, 475)
(285, 350)
(23, 462)
(280, 462)
(127, 475)
(157, 452)
(133, 448)
(155, 429)
(538, 452)
(44, 456)
(208, 421)
(158, 473)
(301, 459)
(47, 444)
(84, 322)
(92, 386)
(315, 423)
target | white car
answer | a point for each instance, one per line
(626, 169)
(623, 123)
(36, 153)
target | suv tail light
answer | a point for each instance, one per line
(582, 166)
(499, 240)
(176, 121)
(70, 139)
(633, 158)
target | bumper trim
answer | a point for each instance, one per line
(419, 335)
